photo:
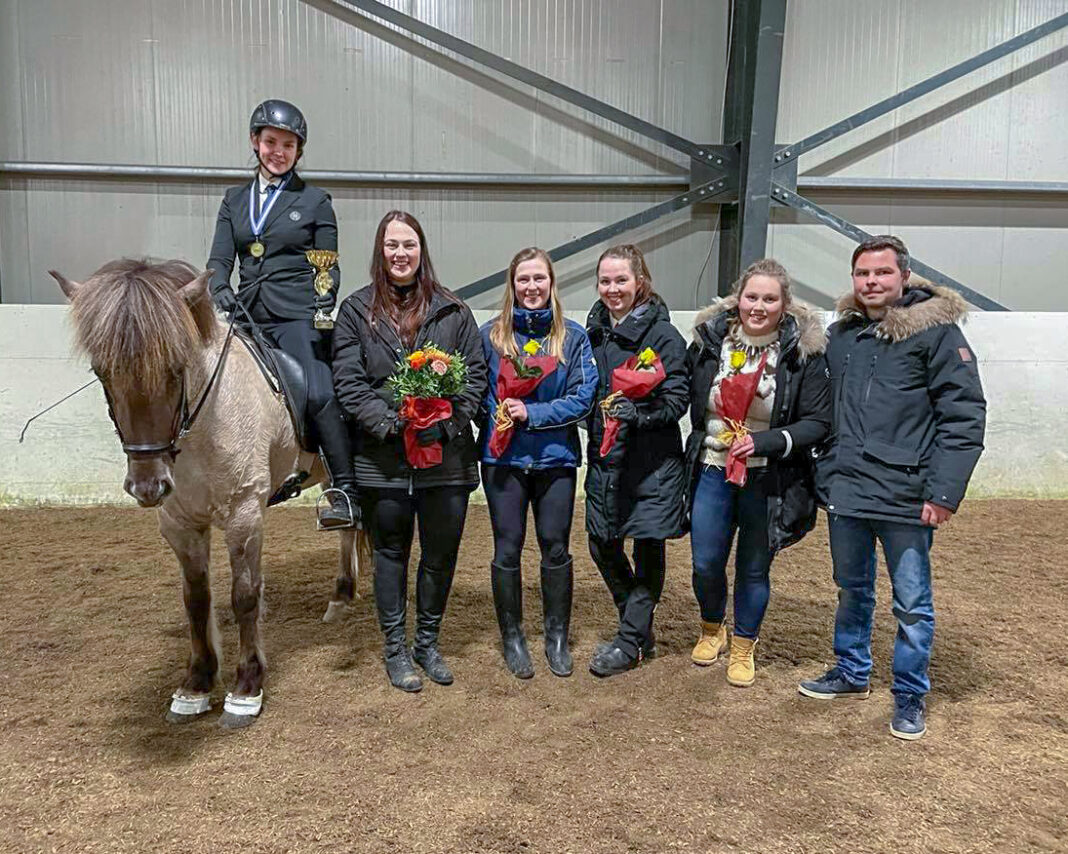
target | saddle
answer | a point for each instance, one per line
(285, 375)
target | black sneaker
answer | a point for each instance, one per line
(910, 717)
(833, 685)
(337, 509)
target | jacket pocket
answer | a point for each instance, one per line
(892, 455)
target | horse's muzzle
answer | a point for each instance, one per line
(149, 492)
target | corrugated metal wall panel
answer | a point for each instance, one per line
(1004, 121)
(173, 82)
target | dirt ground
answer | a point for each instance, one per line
(93, 640)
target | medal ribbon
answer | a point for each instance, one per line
(253, 220)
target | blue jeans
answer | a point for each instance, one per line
(907, 550)
(719, 510)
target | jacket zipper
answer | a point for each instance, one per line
(871, 377)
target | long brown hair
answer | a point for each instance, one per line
(638, 268)
(408, 313)
(502, 334)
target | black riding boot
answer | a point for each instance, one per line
(431, 594)
(342, 506)
(508, 602)
(557, 586)
(391, 600)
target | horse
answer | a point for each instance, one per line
(207, 442)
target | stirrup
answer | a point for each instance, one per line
(331, 494)
(291, 487)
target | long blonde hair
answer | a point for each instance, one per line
(502, 335)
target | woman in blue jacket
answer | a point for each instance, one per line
(538, 467)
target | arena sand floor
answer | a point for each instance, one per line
(93, 640)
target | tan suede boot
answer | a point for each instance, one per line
(741, 671)
(712, 645)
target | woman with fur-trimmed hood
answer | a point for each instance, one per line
(758, 328)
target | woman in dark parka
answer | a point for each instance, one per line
(759, 328)
(401, 310)
(638, 490)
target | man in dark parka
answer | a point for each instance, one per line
(909, 417)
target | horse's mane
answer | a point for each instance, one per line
(132, 322)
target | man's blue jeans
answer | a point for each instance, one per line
(907, 550)
(719, 509)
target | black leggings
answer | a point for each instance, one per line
(392, 515)
(510, 491)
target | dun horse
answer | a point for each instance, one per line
(207, 441)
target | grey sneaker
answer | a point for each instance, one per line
(833, 685)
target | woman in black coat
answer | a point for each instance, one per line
(638, 489)
(402, 309)
(758, 329)
(268, 224)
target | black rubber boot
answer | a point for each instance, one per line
(341, 505)
(507, 586)
(557, 587)
(431, 595)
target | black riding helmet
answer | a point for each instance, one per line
(283, 115)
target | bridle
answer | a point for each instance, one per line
(184, 417)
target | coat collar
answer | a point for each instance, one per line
(921, 307)
(633, 327)
(801, 326)
(533, 323)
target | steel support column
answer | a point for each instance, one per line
(750, 110)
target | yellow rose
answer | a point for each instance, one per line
(531, 348)
(737, 359)
(646, 357)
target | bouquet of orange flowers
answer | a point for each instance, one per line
(423, 383)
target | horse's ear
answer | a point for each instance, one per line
(69, 288)
(197, 289)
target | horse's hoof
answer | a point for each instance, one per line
(240, 712)
(231, 721)
(336, 611)
(185, 708)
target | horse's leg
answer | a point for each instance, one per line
(347, 574)
(244, 539)
(192, 546)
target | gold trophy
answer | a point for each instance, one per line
(322, 260)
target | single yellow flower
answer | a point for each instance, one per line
(531, 348)
(737, 359)
(646, 357)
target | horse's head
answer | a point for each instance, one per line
(142, 325)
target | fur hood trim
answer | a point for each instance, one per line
(943, 306)
(812, 339)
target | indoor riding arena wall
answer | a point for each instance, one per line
(71, 455)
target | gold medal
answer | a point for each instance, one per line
(256, 249)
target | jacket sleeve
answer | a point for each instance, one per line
(223, 250)
(581, 387)
(467, 405)
(960, 417)
(351, 383)
(326, 238)
(489, 400)
(813, 415)
(668, 402)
